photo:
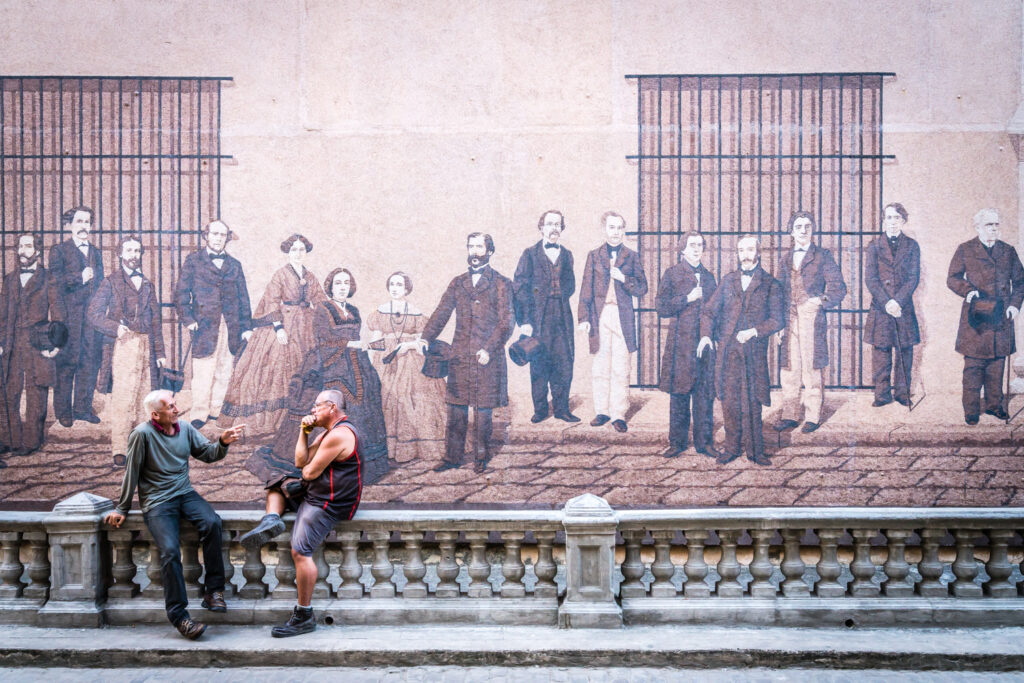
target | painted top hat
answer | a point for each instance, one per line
(526, 350)
(985, 312)
(435, 361)
(48, 335)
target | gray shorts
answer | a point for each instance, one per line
(312, 524)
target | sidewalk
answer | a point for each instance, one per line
(699, 647)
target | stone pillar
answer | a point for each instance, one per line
(590, 525)
(79, 562)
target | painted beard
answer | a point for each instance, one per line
(748, 264)
(478, 261)
(131, 264)
(28, 262)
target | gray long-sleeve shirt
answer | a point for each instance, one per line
(158, 464)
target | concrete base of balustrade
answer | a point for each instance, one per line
(68, 614)
(825, 612)
(366, 612)
(589, 615)
(19, 611)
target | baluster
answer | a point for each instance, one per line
(351, 568)
(12, 568)
(998, 566)
(545, 569)
(662, 567)
(862, 568)
(229, 569)
(760, 566)
(965, 567)
(447, 567)
(512, 567)
(414, 568)
(253, 571)
(321, 589)
(930, 566)
(155, 589)
(479, 567)
(729, 566)
(38, 565)
(897, 569)
(793, 565)
(695, 568)
(632, 566)
(828, 566)
(123, 569)
(191, 570)
(285, 570)
(381, 569)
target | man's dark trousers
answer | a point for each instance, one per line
(700, 400)
(987, 372)
(164, 523)
(455, 437)
(742, 411)
(554, 367)
(881, 364)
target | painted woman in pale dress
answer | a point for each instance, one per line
(283, 321)
(414, 407)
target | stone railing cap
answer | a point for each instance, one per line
(589, 506)
(83, 504)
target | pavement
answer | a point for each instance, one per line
(861, 455)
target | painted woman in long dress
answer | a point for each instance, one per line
(258, 392)
(414, 407)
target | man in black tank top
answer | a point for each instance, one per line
(331, 468)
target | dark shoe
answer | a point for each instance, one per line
(760, 459)
(480, 466)
(998, 413)
(709, 451)
(215, 602)
(879, 402)
(301, 621)
(599, 420)
(3, 465)
(19, 452)
(539, 417)
(903, 402)
(269, 527)
(447, 466)
(4, 449)
(198, 424)
(783, 425)
(809, 427)
(91, 418)
(566, 417)
(65, 421)
(620, 426)
(971, 419)
(190, 628)
(673, 451)
(724, 457)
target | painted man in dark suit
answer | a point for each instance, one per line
(740, 317)
(126, 309)
(687, 378)
(892, 268)
(77, 267)
(477, 375)
(213, 303)
(812, 282)
(987, 273)
(612, 276)
(28, 299)
(543, 283)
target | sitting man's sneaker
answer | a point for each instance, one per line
(190, 628)
(271, 525)
(214, 602)
(301, 621)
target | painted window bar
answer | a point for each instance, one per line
(729, 154)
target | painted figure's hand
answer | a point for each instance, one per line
(232, 434)
(114, 519)
(695, 294)
(355, 344)
(617, 274)
(482, 357)
(50, 354)
(1011, 312)
(247, 335)
(526, 329)
(705, 343)
(282, 336)
(87, 275)
(122, 330)
(193, 327)
(1, 350)
(743, 336)
(893, 308)
(972, 295)
(161, 362)
(585, 326)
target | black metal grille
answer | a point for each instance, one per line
(729, 154)
(143, 152)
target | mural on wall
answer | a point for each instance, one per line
(733, 346)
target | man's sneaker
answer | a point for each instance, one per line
(190, 628)
(215, 602)
(301, 621)
(271, 525)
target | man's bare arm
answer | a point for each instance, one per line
(304, 450)
(336, 445)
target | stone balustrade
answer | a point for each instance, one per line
(584, 566)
